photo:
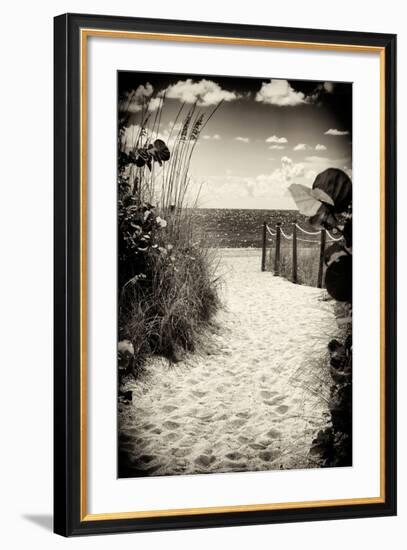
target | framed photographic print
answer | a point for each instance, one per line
(225, 276)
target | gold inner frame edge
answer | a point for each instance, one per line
(84, 34)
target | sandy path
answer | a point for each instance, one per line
(255, 401)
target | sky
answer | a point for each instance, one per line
(266, 134)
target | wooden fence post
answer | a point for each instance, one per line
(295, 252)
(321, 258)
(264, 244)
(277, 253)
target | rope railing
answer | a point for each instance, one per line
(288, 237)
(321, 237)
(307, 232)
(332, 238)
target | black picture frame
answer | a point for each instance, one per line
(67, 272)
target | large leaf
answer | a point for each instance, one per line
(306, 203)
(320, 195)
(337, 185)
(333, 253)
(159, 151)
(338, 279)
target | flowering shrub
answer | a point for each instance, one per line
(137, 219)
(139, 228)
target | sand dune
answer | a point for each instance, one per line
(254, 400)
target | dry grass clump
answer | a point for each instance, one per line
(167, 313)
(307, 262)
(168, 284)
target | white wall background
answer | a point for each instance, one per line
(26, 271)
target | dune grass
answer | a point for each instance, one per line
(307, 262)
(169, 290)
(167, 313)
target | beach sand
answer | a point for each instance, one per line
(254, 400)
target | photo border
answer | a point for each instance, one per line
(71, 32)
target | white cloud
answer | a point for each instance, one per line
(168, 133)
(134, 101)
(317, 164)
(242, 139)
(144, 91)
(275, 139)
(215, 136)
(130, 135)
(280, 93)
(335, 132)
(205, 92)
(277, 147)
(329, 87)
(275, 184)
(286, 159)
(268, 189)
(320, 147)
(282, 176)
(317, 159)
(265, 190)
(301, 147)
(311, 174)
(154, 103)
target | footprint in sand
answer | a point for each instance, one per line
(172, 436)
(274, 434)
(266, 394)
(148, 426)
(238, 422)
(205, 460)
(151, 470)
(268, 403)
(224, 412)
(277, 400)
(146, 458)
(169, 408)
(243, 414)
(268, 456)
(234, 456)
(205, 417)
(197, 393)
(235, 466)
(170, 425)
(257, 446)
(181, 453)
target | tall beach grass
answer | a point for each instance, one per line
(173, 294)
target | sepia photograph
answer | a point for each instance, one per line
(234, 272)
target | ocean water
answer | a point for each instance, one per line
(239, 228)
